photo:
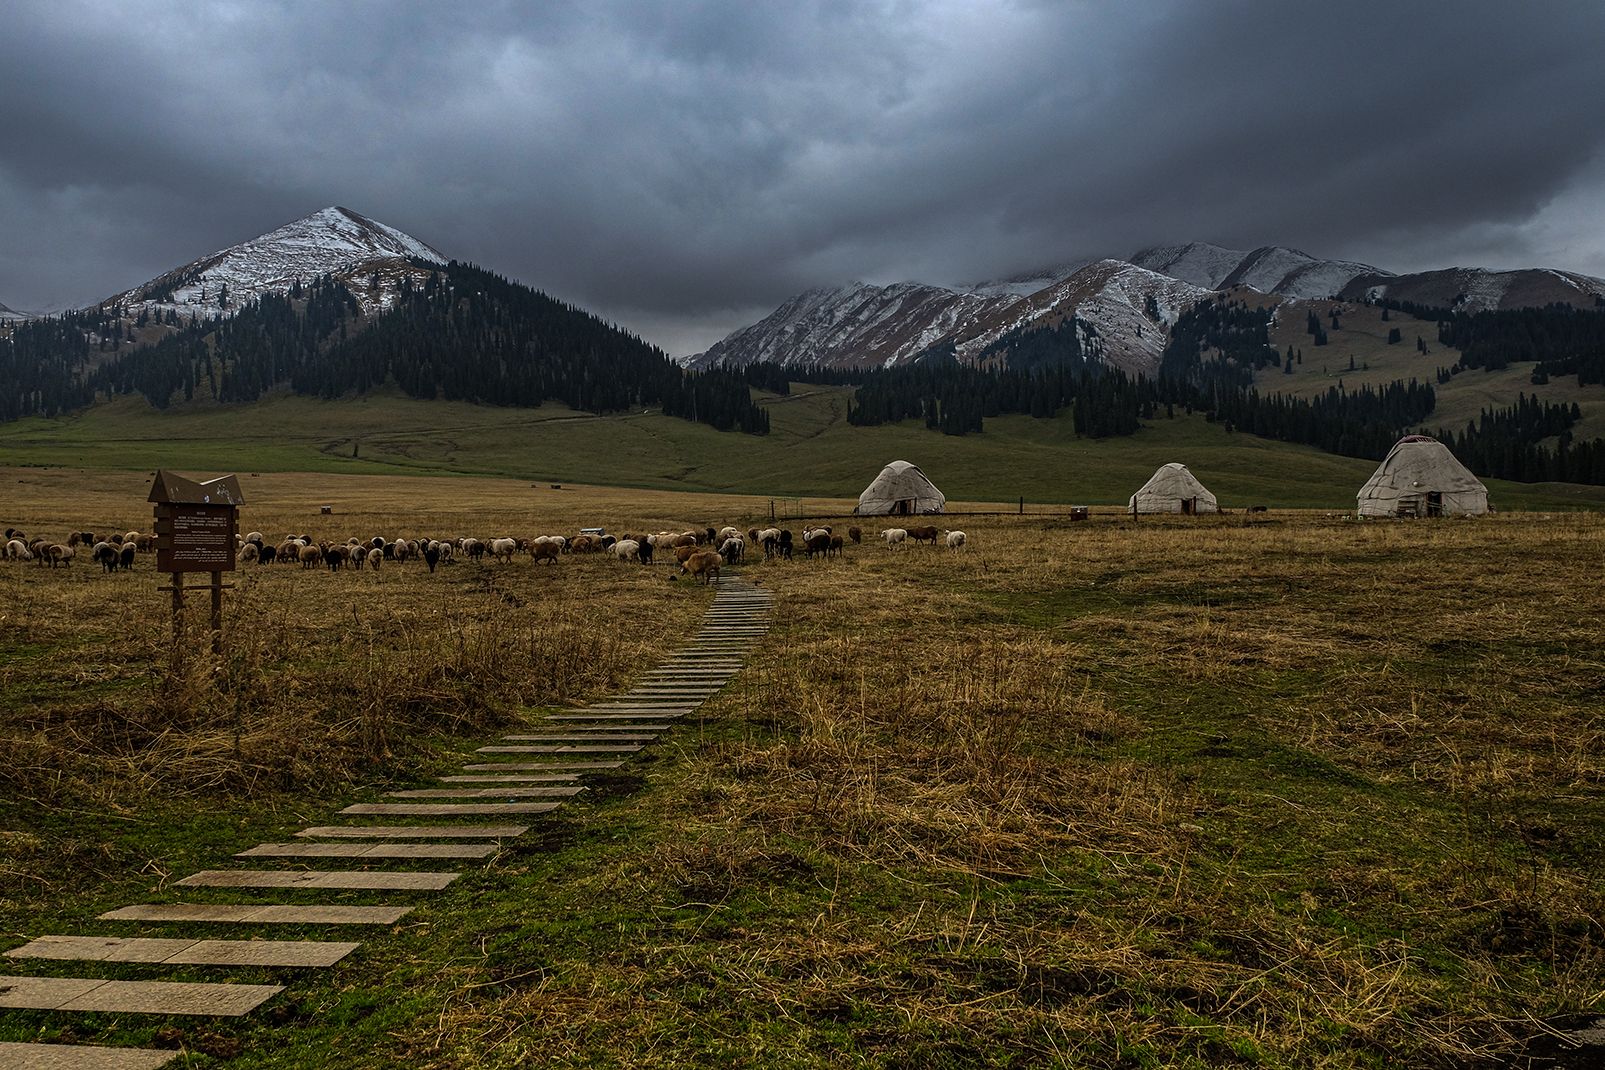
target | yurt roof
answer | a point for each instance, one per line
(1417, 464)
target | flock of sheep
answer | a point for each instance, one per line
(110, 552)
(699, 553)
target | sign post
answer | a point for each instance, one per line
(196, 525)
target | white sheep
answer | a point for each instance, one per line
(733, 549)
(503, 550)
(249, 553)
(894, 536)
(955, 540)
(626, 550)
(376, 557)
(727, 533)
(17, 550)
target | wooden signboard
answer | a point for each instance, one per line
(196, 524)
(195, 538)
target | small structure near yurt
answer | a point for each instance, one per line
(1420, 477)
(1173, 489)
(900, 490)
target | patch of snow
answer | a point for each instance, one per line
(330, 241)
(1198, 263)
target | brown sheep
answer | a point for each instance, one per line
(309, 556)
(855, 534)
(817, 542)
(684, 553)
(545, 551)
(704, 565)
(925, 533)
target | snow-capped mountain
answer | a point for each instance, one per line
(8, 315)
(866, 326)
(371, 255)
(1478, 289)
(1268, 269)
(1131, 308)
(857, 324)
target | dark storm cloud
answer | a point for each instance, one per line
(683, 168)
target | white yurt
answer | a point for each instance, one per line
(900, 490)
(1173, 489)
(1420, 477)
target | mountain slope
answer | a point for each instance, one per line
(11, 314)
(858, 325)
(330, 241)
(1268, 269)
(1478, 289)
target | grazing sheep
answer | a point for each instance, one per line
(503, 550)
(752, 537)
(683, 554)
(400, 550)
(309, 556)
(835, 545)
(357, 554)
(856, 534)
(376, 557)
(125, 556)
(58, 554)
(894, 536)
(17, 550)
(334, 557)
(732, 549)
(253, 537)
(545, 550)
(785, 543)
(644, 552)
(703, 565)
(727, 533)
(249, 554)
(105, 555)
(923, 533)
(816, 541)
(432, 554)
(145, 543)
(709, 536)
(268, 554)
(626, 550)
(955, 540)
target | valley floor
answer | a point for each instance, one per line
(1287, 791)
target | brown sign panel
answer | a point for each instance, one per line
(195, 538)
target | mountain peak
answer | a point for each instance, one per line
(333, 240)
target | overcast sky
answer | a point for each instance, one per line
(682, 168)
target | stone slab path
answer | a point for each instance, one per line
(257, 915)
(80, 1057)
(544, 766)
(185, 952)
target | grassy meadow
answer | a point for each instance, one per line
(1287, 790)
(811, 453)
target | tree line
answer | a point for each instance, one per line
(459, 333)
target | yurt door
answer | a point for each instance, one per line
(1434, 503)
(1189, 506)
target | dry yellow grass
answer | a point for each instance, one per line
(1294, 792)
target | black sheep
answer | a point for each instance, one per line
(125, 556)
(431, 556)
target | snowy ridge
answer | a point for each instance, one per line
(1268, 269)
(1117, 298)
(331, 241)
(1199, 263)
(854, 325)
(11, 315)
(1479, 289)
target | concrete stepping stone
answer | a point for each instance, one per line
(527, 791)
(451, 809)
(422, 832)
(555, 737)
(132, 997)
(506, 778)
(480, 767)
(308, 878)
(606, 717)
(245, 912)
(16, 1056)
(574, 748)
(370, 850)
(186, 952)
